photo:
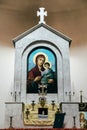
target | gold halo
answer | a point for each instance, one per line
(38, 53)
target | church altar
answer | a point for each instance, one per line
(35, 101)
(38, 118)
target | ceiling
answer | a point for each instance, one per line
(66, 16)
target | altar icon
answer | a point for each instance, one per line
(83, 119)
(41, 71)
(42, 113)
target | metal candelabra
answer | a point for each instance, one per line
(70, 94)
(14, 95)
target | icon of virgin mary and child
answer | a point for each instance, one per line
(41, 74)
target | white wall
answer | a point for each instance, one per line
(78, 64)
(6, 78)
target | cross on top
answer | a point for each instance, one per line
(41, 13)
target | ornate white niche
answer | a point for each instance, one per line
(42, 36)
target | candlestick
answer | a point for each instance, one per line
(53, 104)
(74, 122)
(81, 96)
(15, 95)
(33, 104)
(11, 122)
(27, 113)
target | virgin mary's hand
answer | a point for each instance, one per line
(38, 78)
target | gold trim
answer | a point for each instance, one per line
(32, 117)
